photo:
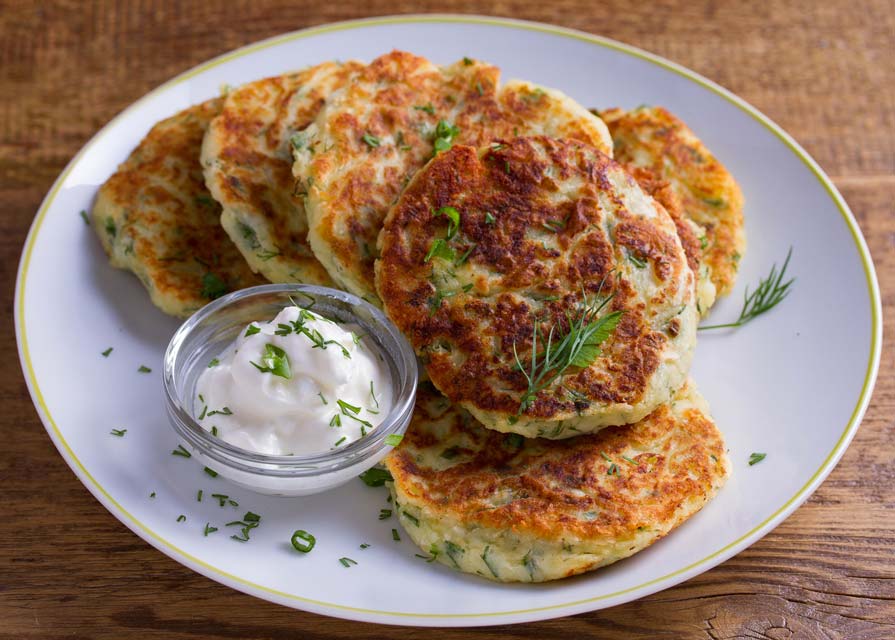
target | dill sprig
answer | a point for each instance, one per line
(770, 292)
(576, 347)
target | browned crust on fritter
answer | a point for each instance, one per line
(155, 217)
(464, 94)
(662, 191)
(252, 172)
(543, 488)
(466, 341)
(653, 138)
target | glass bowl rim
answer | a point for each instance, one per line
(307, 465)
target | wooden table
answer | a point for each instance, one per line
(824, 71)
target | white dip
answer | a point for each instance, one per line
(296, 385)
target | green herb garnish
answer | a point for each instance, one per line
(395, 535)
(275, 361)
(576, 347)
(489, 218)
(118, 432)
(249, 521)
(144, 369)
(303, 541)
(487, 563)
(211, 472)
(107, 352)
(529, 563)
(637, 261)
(445, 133)
(394, 439)
(371, 140)
(181, 518)
(365, 545)
(212, 286)
(213, 363)
(375, 477)
(440, 249)
(251, 330)
(84, 217)
(428, 108)
(340, 441)
(453, 217)
(345, 407)
(453, 551)
(770, 292)
(755, 458)
(336, 421)
(208, 529)
(347, 562)
(385, 514)
(180, 451)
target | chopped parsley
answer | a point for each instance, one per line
(251, 330)
(375, 477)
(275, 361)
(213, 287)
(440, 249)
(445, 133)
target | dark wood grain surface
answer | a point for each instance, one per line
(825, 71)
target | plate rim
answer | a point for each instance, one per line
(456, 619)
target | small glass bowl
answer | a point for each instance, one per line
(207, 333)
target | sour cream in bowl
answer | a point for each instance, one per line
(289, 389)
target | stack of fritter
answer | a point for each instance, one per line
(551, 292)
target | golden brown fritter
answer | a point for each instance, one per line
(247, 156)
(691, 234)
(653, 138)
(541, 224)
(373, 135)
(528, 510)
(155, 217)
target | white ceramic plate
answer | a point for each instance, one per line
(793, 384)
